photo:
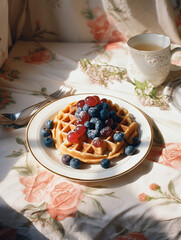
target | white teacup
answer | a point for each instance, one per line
(149, 58)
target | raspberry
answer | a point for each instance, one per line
(80, 103)
(103, 100)
(84, 116)
(78, 121)
(72, 137)
(97, 99)
(97, 142)
(91, 101)
(80, 129)
(106, 132)
(109, 122)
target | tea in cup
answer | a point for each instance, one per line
(149, 58)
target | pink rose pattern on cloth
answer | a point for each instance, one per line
(168, 154)
(103, 27)
(62, 198)
(36, 188)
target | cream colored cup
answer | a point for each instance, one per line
(149, 58)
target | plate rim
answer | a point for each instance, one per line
(98, 179)
(168, 91)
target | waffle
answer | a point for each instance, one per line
(84, 150)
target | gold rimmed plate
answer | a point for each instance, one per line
(50, 158)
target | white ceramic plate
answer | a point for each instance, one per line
(173, 92)
(51, 159)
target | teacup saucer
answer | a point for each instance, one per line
(173, 92)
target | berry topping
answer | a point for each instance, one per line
(72, 137)
(105, 105)
(78, 121)
(92, 133)
(105, 163)
(94, 120)
(109, 122)
(49, 124)
(135, 142)
(66, 159)
(48, 142)
(129, 150)
(80, 103)
(89, 125)
(84, 116)
(118, 136)
(80, 129)
(86, 107)
(45, 132)
(99, 125)
(104, 114)
(93, 112)
(97, 142)
(97, 99)
(106, 131)
(91, 101)
(75, 163)
(103, 100)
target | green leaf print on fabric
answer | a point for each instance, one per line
(9, 75)
(171, 197)
(5, 99)
(40, 32)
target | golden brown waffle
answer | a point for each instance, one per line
(84, 150)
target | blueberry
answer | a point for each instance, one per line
(94, 120)
(45, 132)
(92, 133)
(135, 142)
(105, 105)
(66, 159)
(79, 109)
(48, 142)
(118, 136)
(86, 107)
(105, 163)
(104, 114)
(76, 114)
(98, 107)
(113, 115)
(49, 124)
(75, 163)
(93, 112)
(99, 125)
(89, 125)
(129, 150)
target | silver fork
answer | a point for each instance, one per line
(19, 118)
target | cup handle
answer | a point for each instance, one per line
(175, 67)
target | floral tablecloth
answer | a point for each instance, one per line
(37, 204)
